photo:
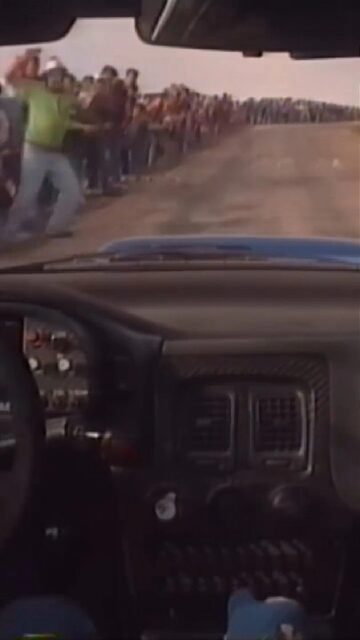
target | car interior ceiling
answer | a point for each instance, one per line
(148, 480)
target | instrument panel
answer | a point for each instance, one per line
(59, 364)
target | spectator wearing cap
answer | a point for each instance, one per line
(50, 116)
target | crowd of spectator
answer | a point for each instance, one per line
(125, 132)
(288, 110)
(92, 135)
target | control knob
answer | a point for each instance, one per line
(64, 365)
(34, 364)
(165, 507)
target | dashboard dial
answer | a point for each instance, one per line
(64, 365)
(59, 363)
(34, 363)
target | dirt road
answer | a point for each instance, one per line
(282, 180)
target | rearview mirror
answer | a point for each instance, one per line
(252, 27)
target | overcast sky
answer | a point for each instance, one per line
(93, 43)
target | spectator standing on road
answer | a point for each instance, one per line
(118, 118)
(132, 87)
(86, 91)
(50, 114)
(139, 140)
(104, 102)
(74, 138)
(7, 183)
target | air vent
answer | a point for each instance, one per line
(210, 423)
(278, 423)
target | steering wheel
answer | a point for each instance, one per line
(21, 439)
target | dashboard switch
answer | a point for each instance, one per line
(281, 584)
(272, 555)
(202, 586)
(262, 585)
(170, 586)
(235, 584)
(242, 559)
(290, 556)
(60, 341)
(219, 585)
(59, 400)
(186, 583)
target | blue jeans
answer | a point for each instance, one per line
(54, 616)
(36, 165)
(273, 619)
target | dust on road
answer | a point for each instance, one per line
(280, 180)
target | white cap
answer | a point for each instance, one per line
(53, 63)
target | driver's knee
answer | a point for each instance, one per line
(273, 618)
(52, 616)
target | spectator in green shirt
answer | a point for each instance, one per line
(50, 114)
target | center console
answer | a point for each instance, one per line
(187, 555)
(239, 495)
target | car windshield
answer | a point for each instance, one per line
(103, 137)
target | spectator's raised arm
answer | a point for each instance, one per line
(25, 68)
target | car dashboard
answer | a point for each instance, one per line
(228, 403)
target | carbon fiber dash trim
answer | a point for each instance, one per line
(311, 370)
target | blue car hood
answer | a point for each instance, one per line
(317, 251)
